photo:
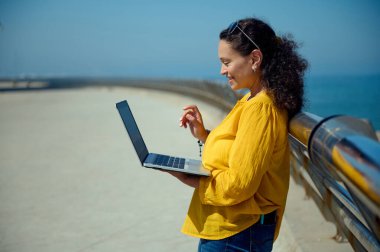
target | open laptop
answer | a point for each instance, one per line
(153, 160)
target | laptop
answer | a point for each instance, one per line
(153, 160)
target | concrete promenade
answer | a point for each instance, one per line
(71, 181)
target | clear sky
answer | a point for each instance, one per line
(175, 38)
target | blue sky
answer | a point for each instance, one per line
(176, 39)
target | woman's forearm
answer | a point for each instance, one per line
(190, 180)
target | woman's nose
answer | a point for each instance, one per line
(223, 70)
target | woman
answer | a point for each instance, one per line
(240, 206)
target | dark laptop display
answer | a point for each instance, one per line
(153, 160)
(133, 130)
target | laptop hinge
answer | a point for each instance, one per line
(150, 158)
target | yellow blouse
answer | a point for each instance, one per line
(248, 156)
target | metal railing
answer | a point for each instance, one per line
(337, 160)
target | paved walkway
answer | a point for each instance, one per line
(71, 181)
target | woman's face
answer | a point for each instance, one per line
(237, 68)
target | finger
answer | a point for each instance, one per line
(183, 123)
(190, 110)
(183, 117)
(187, 111)
(192, 119)
(189, 107)
(198, 113)
(195, 109)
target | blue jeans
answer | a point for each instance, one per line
(257, 238)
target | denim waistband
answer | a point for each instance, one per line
(269, 218)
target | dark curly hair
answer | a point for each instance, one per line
(282, 67)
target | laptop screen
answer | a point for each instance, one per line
(132, 129)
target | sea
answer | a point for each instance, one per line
(357, 96)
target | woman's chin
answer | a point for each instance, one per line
(232, 84)
(234, 87)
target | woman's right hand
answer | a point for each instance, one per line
(192, 118)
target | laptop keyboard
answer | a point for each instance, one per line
(169, 161)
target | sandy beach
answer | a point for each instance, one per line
(71, 181)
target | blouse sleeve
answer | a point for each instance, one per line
(249, 159)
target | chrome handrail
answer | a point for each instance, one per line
(341, 155)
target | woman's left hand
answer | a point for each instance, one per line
(187, 179)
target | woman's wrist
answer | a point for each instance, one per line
(202, 140)
(204, 136)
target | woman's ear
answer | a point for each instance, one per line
(257, 58)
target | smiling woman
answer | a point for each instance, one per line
(275, 65)
(241, 205)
